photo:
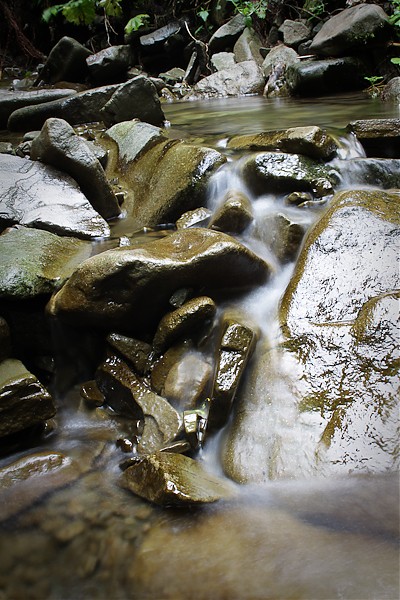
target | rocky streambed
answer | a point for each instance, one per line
(199, 360)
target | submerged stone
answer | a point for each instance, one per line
(24, 401)
(41, 196)
(25, 481)
(171, 479)
(36, 262)
(129, 289)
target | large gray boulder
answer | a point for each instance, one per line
(66, 62)
(248, 47)
(129, 289)
(109, 65)
(295, 32)
(226, 36)
(311, 78)
(351, 29)
(85, 109)
(58, 145)
(135, 99)
(40, 196)
(36, 262)
(242, 79)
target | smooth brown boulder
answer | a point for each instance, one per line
(128, 289)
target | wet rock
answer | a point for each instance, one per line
(187, 321)
(279, 55)
(110, 65)
(59, 146)
(316, 77)
(11, 101)
(133, 138)
(6, 148)
(135, 99)
(295, 32)
(234, 214)
(129, 289)
(153, 196)
(66, 62)
(36, 262)
(199, 217)
(91, 394)
(187, 381)
(198, 64)
(226, 36)
(240, 80)
(126, 394)
(236, 346)
(223, 60)
(85, 109)
(350, 29)
(299, 199)
(170, 479)
(281, 172)
(378, 137)
(24, 401)
(195, 424)
(354, 249)
(40, 196)
(310, 141)
(282, 234)
(391, 91)
(28, 479)
(173, 76)
(136, 352)
(382, 172)
(5, 340)
(248, 47)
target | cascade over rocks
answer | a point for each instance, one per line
(152, 196)
(128, 290)
(59, 146)
(379, 137)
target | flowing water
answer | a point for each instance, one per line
(294, 534)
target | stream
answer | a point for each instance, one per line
(294, 530)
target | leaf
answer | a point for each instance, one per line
(203, 14)
(51, 12)
(395, 61)
(137, 22)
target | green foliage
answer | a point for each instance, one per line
(137, 22)
(83, 12)
(394, 19)
(314, 8)
(203, 13)
(248, 9)
(374, 81)
(395, 61)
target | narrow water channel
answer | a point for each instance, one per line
(293, 531)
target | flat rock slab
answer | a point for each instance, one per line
(41, 196)
(171, 479)
(36, 262)
(10, 100)
(379, 137)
